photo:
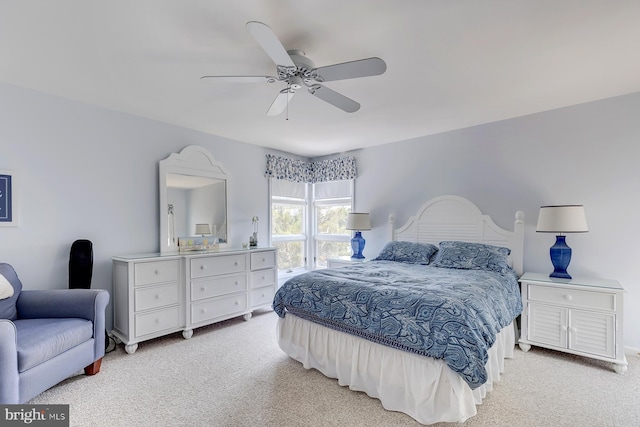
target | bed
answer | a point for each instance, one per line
(354, 323)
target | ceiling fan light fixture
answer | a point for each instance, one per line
(296, 70)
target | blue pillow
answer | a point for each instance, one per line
(472, 256)
(409, 252)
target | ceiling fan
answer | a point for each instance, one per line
(296, 70)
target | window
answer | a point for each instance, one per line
(332, 202)
(308, 223)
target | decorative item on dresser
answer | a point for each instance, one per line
(156, 295)
(404, 360)
(561, 219)
(578, 316)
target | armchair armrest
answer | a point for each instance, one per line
(90, 304)
(59, 303)
(9, 379)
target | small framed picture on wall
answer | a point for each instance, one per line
(9, 215)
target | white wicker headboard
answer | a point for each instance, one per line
(456, 218)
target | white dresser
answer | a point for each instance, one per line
(578, 316)
(155, 295)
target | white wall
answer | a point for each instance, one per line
(586, 154)
(88, 172)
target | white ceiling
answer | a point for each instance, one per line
(450, 63)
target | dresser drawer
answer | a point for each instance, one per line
(263, 259)
(156, 296)
(262, 296)
(215, 265)
(156, 321)
(210, 309)
(573, 297)
(262, 278)
(147, 273)
(217, 286)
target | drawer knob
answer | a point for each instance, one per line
(203, 289)
(158, 296)
(568, 297)
(264, 260)
(203, 267)
(236, 283)
(237, 302)
(157, 272)
(235, 263)
(157, 321)
(204, 310)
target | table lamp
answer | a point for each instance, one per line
(561, 219)
(358, 222)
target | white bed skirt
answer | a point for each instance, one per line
(422, 387)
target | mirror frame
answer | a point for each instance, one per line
(193, 160)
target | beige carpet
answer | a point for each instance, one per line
(234, 374)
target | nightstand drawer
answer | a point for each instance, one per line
(147, 273)
(572, 297)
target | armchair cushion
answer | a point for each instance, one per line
(8, 305)
(41, 339)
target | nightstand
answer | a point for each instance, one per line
(342, 261)
(578, 316)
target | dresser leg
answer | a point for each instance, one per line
(130, 348)
(247, 317)
(187, 333)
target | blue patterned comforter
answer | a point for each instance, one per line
(443, 313)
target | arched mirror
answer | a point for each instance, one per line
(193, 201)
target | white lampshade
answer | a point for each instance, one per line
(358, 221)
(562, 219)
(203, 229)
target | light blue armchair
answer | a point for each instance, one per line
(47, 336)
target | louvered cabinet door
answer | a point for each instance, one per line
(592, 332)
(547, 325)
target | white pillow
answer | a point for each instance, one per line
(6, 290)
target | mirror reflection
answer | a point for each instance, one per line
(193, 201)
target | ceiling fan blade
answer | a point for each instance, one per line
(281, 102)
(349, 70)
(238, 79)
(267, 39)
(334, 98)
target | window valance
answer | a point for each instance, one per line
(337, 169)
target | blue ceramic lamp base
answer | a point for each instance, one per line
(357, 245)
(560, 258)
